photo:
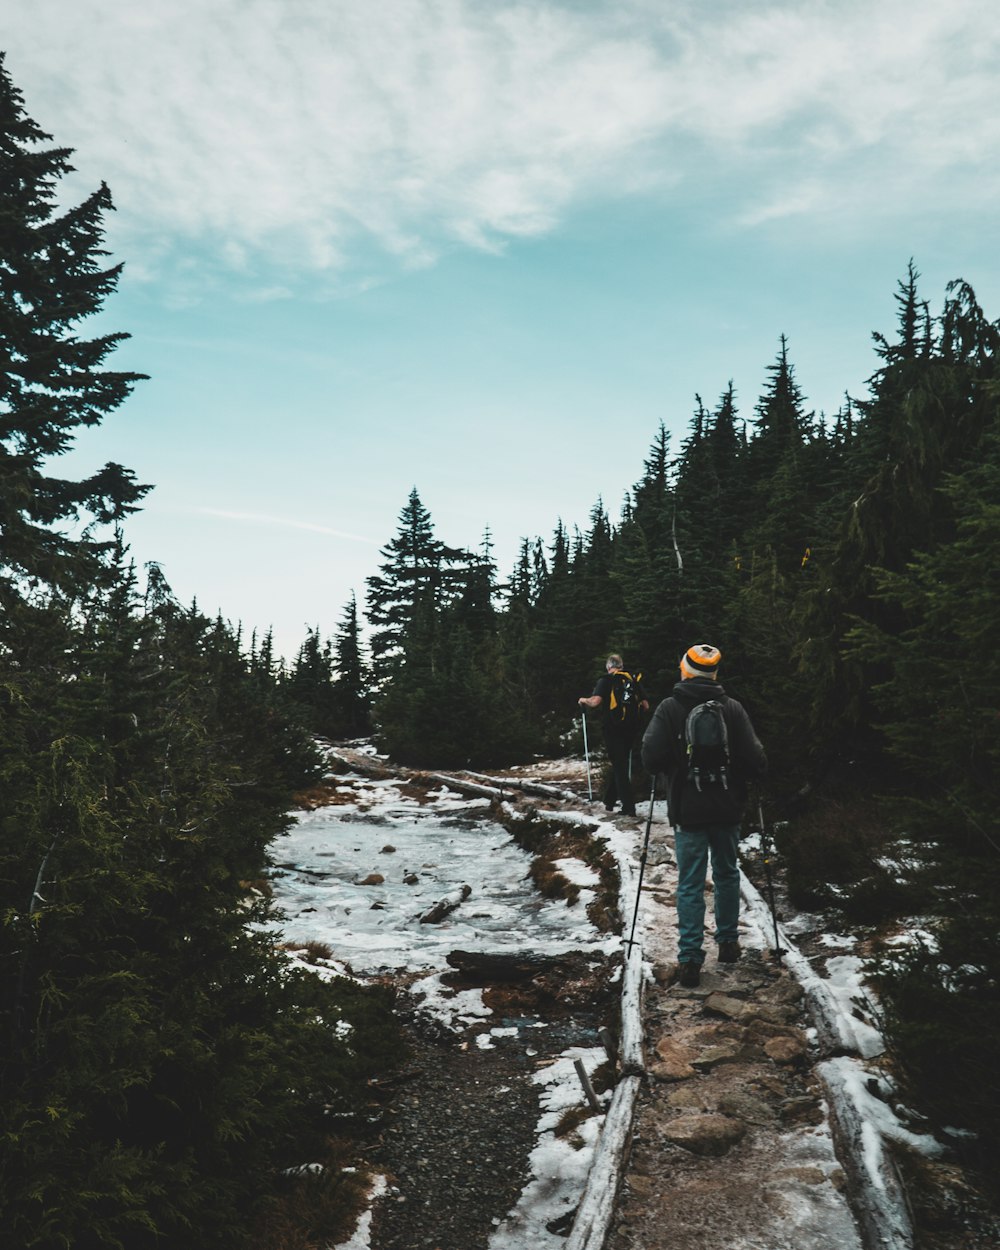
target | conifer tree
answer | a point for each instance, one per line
(416, 579)
(309, 684)
(53, 382)
(648, 571)
(160, 1066)
(351, 699)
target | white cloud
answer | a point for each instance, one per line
(260, 518)
(262, 132)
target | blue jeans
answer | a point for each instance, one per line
(693, 847)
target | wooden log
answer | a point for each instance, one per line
(834, 1031)
(878, 1196)
(528, 787)
(588, 1088)
(593, 1215)
(570, 820)
(470, 788)
(445, 906)
(631, 1017)
(504, 967)
(366, 766)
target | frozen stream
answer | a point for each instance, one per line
(329, 855)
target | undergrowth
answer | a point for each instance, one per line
(551, 840)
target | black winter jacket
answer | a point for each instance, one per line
(663, 751)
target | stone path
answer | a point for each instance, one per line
(731, 1147)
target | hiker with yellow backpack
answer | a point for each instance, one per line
(620, 698)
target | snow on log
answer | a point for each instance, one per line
(631, 1037)
(597, 1206)
(593, 1215)
(446, 905)
(527, 787)
(876, 1191)
(834, 1030)
(461, 787)
(367, 767)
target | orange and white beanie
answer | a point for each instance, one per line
(701, 660)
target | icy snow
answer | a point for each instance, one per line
(844, 978)
(559, 1165)
(330, 852)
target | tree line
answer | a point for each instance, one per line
(164, 1066)
(849, 569)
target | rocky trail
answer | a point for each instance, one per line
(750, 1113)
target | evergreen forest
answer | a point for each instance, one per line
(163, 1065)
(848, 568)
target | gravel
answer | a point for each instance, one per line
(457, 1137)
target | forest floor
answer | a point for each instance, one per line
(732, 1146)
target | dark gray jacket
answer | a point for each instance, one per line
(663, 751)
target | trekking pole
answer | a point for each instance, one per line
(630, 942)
(586, 755)
(778, 951)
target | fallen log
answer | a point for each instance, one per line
(528, 787)
(469, 788)
(445, 906)
(877, 1193)
(505, 968)
(379, 770)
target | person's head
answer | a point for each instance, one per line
(701, 660)
(614, 662)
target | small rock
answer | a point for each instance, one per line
(746, 1107)
(724, 1052)
(771, 1013)
(685, 1098)
(762, 1031)
(786, 990)
(672, 1051)
(803, 1110)
(388, 850)
(725, 1005)
(671, 1071)
(785, 1049)
(373, 878)
(411, 878)
(712, 1135)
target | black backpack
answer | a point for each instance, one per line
(706, 739)
(623, 705)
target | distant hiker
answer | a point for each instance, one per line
(704, 742)
(620, 697)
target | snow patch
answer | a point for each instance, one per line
(559, 1165)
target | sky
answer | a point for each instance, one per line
(485, 249)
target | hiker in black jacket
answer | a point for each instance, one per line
(705, 804)
(620, 698)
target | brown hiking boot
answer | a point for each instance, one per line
(689, 975)
(729, 952)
